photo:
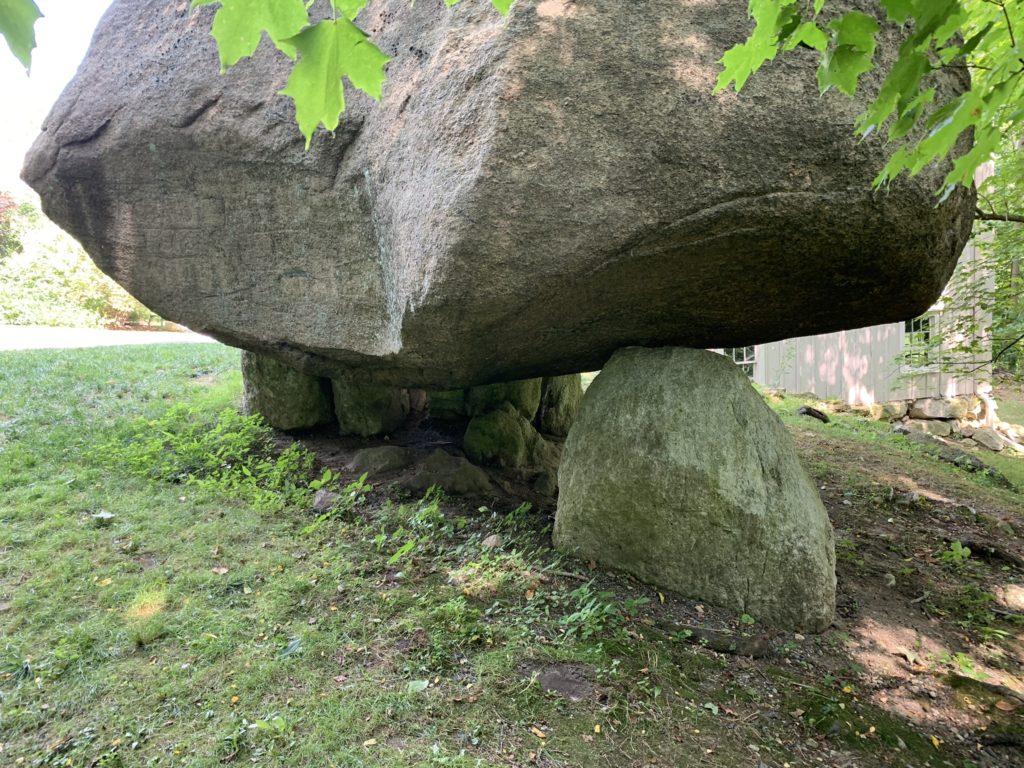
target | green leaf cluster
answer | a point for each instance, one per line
(325, 52)
(18, 27)
(981, 38)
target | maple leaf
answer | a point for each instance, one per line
(327, 52)
(239, 25)
(17, 25)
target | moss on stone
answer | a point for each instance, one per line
(559, 404)
(447, 404)
(284, 397)
(366, 409)
(524, 396)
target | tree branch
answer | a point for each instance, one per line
(980, 215)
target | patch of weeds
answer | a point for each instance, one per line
(972, 609)
(230, 454)
(349, 498)
(846, 551)
(956, 554)
(595, 613)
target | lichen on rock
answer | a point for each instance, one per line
(677, 471)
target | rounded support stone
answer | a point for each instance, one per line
(285, 398)
(677, 471)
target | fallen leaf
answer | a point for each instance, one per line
(936, 741)
(1005, 706)
(341, 679)
(311, 620)
(106, 582)
(538, 732)
(234, 700)
(597, 728)
(370, 743)
(417, 686)
(220, 570)
(529, 594)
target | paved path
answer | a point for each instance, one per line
(42, 337)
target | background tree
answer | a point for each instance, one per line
(9, 240)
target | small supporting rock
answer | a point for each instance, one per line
(366, 409)
(678, 472)
(285, 398)
(523, 395)
(505, 439)
(559, 404)
(453, 473)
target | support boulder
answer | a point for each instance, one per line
(678, 472)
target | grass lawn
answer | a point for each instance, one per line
(168, 598)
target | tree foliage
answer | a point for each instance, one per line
(17, 26)
(980, 36)
(10, 242)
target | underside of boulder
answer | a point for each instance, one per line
(678, 472)
(530, 195)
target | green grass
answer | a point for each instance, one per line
(167, 598)
(190, 626)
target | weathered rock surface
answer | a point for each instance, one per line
(938, 408)
(365, 408)
(285, 398)
(531, 194)
(678, 472)
(522, 395)
(447, 404)
(559, 404)
(505, 439)
(989, 438)
(453, 473)
(931, 427)
(888, 411)
(381, 459)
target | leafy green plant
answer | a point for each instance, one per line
(594, 612)
(49, 279)
(231, 453)
(956, 554)
(979, 36)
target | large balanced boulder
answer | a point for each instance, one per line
(530, 195)
(678, 472)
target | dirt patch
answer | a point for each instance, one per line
(573, 681)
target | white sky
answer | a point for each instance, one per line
(62, 38)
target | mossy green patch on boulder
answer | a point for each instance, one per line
(678, 472)
(447, 404)
(505, 439)
(501, 437)
(365, 409)
(284, 397)
(559, 404)
(524, 396)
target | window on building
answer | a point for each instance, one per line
(744, 357)
(917, 336)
